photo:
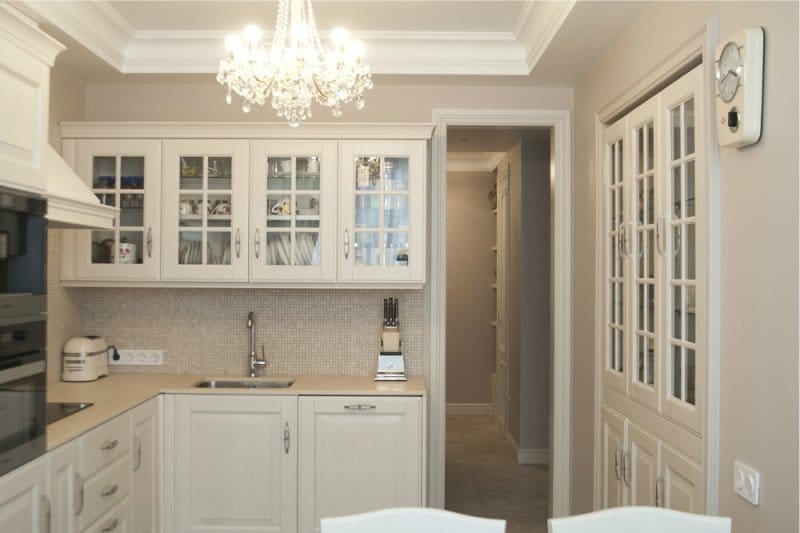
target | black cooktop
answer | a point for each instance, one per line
(57, 411)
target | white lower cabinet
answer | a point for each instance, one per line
(639, 469)
(65, 490)
(358, 454)
(146, 467)
(233, 463)
(24, 505)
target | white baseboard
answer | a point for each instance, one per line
(469, 409)
(533, 456)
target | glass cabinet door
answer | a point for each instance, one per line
(383, 195)
(205, 210)
(125, 175)
(293, 210)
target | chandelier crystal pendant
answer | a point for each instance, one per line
(296, 69)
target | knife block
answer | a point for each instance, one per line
(391, 366)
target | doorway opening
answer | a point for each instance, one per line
(498, 324)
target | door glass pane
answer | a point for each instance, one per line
(307, 248)
(103, 247)
(191, 172)
(650, 248)
(190, 244)
(649, 143)
(640, 151)
(650, 213)
(132, 172)
(395, 248)
(131, 210)
(613, 310)
(368, 173)
(690, 376)
(688, 116)
(219, 173)
(612, 252)
(307, 175)
(279, 248)
(651, 307)
(640, 201)
(395, 174)
(676, 372)
(690, 251)
(279, 173)
(640, 319)
(613, 203)
(104, 172)
(690, 314)
(640, 355)
(395, 211)
(107, 198)
(675, 126)
(621, 353)
(651, 351)
(690, 189)
(131, 247)
(676, 312)
(218, 248)
(190, 210)
(368, 207)
(677, 246)
(620, 162)
(613, 353)
(367, 248)
(676, 192)
(640, 249)
(307, 205)
(219, 209)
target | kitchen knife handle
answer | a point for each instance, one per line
(238, 243)
(346, 243)
(80, 494)
(150, 241)
(257, 243)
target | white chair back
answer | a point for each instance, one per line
(411, 520)
(638, 520)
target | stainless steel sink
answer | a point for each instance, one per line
(246, 384)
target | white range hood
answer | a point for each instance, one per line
(70, 202)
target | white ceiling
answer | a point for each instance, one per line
(539, 42)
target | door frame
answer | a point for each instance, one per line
(560, 123)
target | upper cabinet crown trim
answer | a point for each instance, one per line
(244, 130)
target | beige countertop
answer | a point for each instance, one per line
(113, 395)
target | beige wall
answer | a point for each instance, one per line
(67, 102)
(471, 232)
(759, 243)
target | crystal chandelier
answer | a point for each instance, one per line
(296, 69)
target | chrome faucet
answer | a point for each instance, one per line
(255, 362)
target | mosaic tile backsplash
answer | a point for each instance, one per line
(203, 331)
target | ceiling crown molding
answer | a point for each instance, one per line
(537, 25)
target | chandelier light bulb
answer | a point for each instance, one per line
(294, 70)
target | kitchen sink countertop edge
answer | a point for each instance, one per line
(115, 394)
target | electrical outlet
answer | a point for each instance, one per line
(746, 482)
(138, 357)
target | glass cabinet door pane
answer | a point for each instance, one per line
(279, 248)
(131, 247)
(219, 173)
(307, 174)
(367, 248)
(307, 205)
(306, 248)
(395, 211)
(219, 209)
(368, 208)
(190, 210)
(103, 247)
(218, 248)
(104, 172)
(107, 198)
(132, 172)
(368, 173)
(191, 172)
(395, 174)
(131, 210)
(395, 248)
(279, 173)
(191, 248)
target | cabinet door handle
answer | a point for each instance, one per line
(79, 493)
(359, 407)
(346, 243)
(111, 527)
(629, 239)
(660, 237)
(110, 491)
(286, 437)
(238, 243)
(110, 444)
(138, 447)
(257, 243)
(47, 515)
(676, 246)
(617, 462)
(626, 468)
(659, 491)
(150, 242)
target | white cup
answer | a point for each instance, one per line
(127, 253)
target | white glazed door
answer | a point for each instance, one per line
(205, 211)
(66, 486)
(234, 464)
(612, 435)
(686, 317)
(125, 174)
(24, 505)
(382, 211)
(358, 454)
(146, 467)
(293, 211)
(641, 466)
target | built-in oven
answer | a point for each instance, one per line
(23, 328)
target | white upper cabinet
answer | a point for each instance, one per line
(293, 211)
(382, 211)
(124, 174)
(205, 212)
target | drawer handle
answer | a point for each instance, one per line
(138, 463)
(110, 445)
(359, 407)
(111, 527)
(80, 494)
(110, 491)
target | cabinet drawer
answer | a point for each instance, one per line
(106, 489)
(115, 521)
(105, 444)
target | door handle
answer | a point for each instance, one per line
(238, 243)
(360, 407)
(257, 243)
(346, 243)
(111, 527)
(286, 437)
(110, 445)
(659, 491)
(617, 465)
(110, 491)
(150, 241)
(660, 237)
(626, 468)
(138, 446)
(79, 492)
